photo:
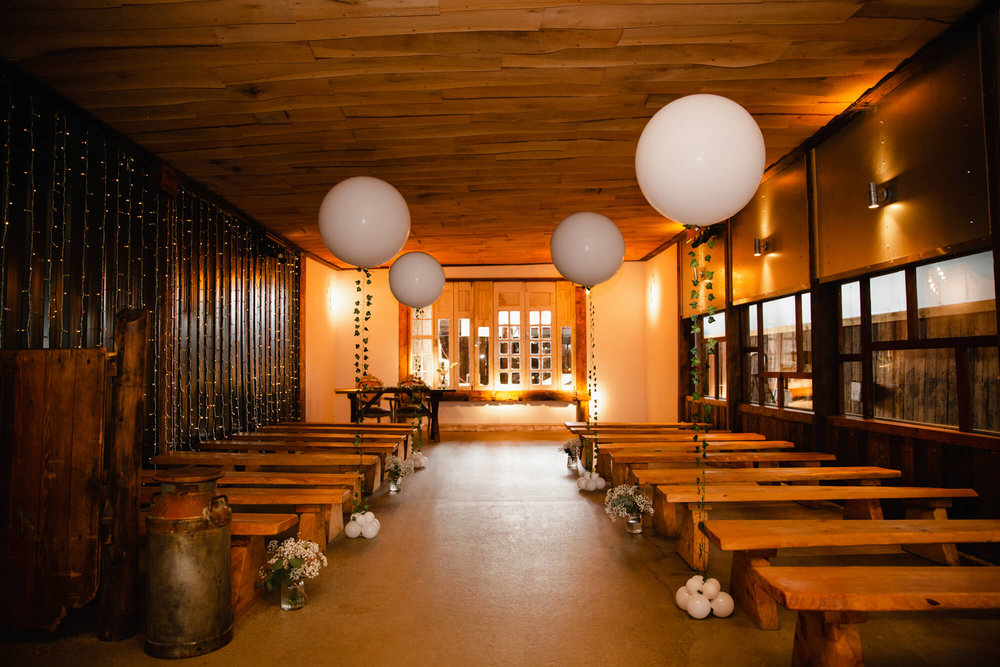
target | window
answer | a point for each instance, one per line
(778, 352)
(517, 326)
(919, 345)
(714, 336)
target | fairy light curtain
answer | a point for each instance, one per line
(83, 236)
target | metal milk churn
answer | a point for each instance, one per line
(189, 607)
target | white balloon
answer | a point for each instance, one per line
(681, 597)
(416, 279)
(364, 221)
(358, 517)
(587, 248)
(698, 606)
(711, 588)
(591, 484)
(723, 605)
(370, 529)
(700, 159)
(369, 516)
(601, 483)
(695, 583)
(352, 529)
(581, 483)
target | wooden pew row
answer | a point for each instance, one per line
(679, 509)
(865, 475)
(402, 430)
(346, 426)
(754, 541)
(626, 426)
(606, 451)
(623, 462)
(831, 601)
(369, 464)
(249, 533)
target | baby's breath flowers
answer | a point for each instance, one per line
(397, 468)
(623, 500)
(291, 561)
(571, 447)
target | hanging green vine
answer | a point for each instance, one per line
(361, 319)
(591, 379)
(701, 412)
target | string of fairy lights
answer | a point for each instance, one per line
(83, 236)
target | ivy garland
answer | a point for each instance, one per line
(701, 413)
(592, 379)
(360, 503)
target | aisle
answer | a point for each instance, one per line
(491, 556)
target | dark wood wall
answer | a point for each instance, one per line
(91, 225)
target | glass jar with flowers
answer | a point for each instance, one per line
(629, 503)
(572, 450)
(288, 565)
(396, 469)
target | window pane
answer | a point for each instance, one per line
(504, 333)
(444, 341)
(515, 333)
(533, 347)
(850, 388)
(533, 332)
(503, 378)
(715, 328)
(502, 317)
(955, 297)
(779, 334)
(515, 378)
(566, 344)
(547, 378)
(483, 343)
(850, 318)
(535, 378)
(464, 352)
(546, 347)
(916, 386)
(546, 332)
(752, 371)
(889, 306)
(515, 348)
(515, 362)
(798, 394)
(751, 331)
(534, 317)
(504, 347)
(503, 363)
(985, 372)
(534, 363)
(515, 317)
(770, 391)
(546, 317)
(546, 363)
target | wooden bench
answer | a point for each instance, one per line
(624, 461)
(866, 474)
(626, 426)
(679, 509)
(754, 541)
(370, 465)
(831, 601)
(404, 431)
(609, 449)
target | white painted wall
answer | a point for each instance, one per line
(662, 355)
(317, 336)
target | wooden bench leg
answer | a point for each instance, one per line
(827, 639)
(247, 555)
(869, 508)
(945, 554)
(373, 476)
(664, 515)
(312, 525)
(619, 473)
(692, 545)
(604, 465)
(757, 604)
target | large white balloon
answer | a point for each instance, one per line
(416, 279)
(364, 221)
(587, 248)
(700, 159)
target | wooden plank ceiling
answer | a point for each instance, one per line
(494, 118)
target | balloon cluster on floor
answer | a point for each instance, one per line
(362, 525)
(419, 460)
(700, 597)
(591, 481)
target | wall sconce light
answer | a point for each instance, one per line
(760, 247)
(880, 194)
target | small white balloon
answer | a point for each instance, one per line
(700, 159)
(591, 485)
(681, 597)
(723, 605)
(587, 248)
(695, 583)
(369, 516)
(358, 517)
(698, 606)
(352, 529)
(601, 483)
(711, 588)
(364, 221)
(370, 529)
(581, 483)
(416, 279)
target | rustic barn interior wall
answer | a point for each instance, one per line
(86, 233)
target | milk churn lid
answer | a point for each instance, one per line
(188, 475)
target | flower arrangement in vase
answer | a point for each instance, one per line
(396, 469)
(629, 503)
(288, 565)
(572, 450)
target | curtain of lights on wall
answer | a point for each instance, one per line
(84, 236)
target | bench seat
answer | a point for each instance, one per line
(687, 445)
(831, 601)
(754, 541)
(789, 474)
(679, 509)
(623, 462)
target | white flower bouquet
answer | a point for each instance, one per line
(623, 500)
(396, 468)
(571, 448)
(291, 561)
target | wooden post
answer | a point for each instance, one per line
(120, 517)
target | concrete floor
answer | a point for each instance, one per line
(491, 556)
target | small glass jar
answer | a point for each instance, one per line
(633, 523)
(571, 461)
(395, 484)
(293, 594)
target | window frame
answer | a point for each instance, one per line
(763, 376)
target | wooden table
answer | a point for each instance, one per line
(433, 401)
